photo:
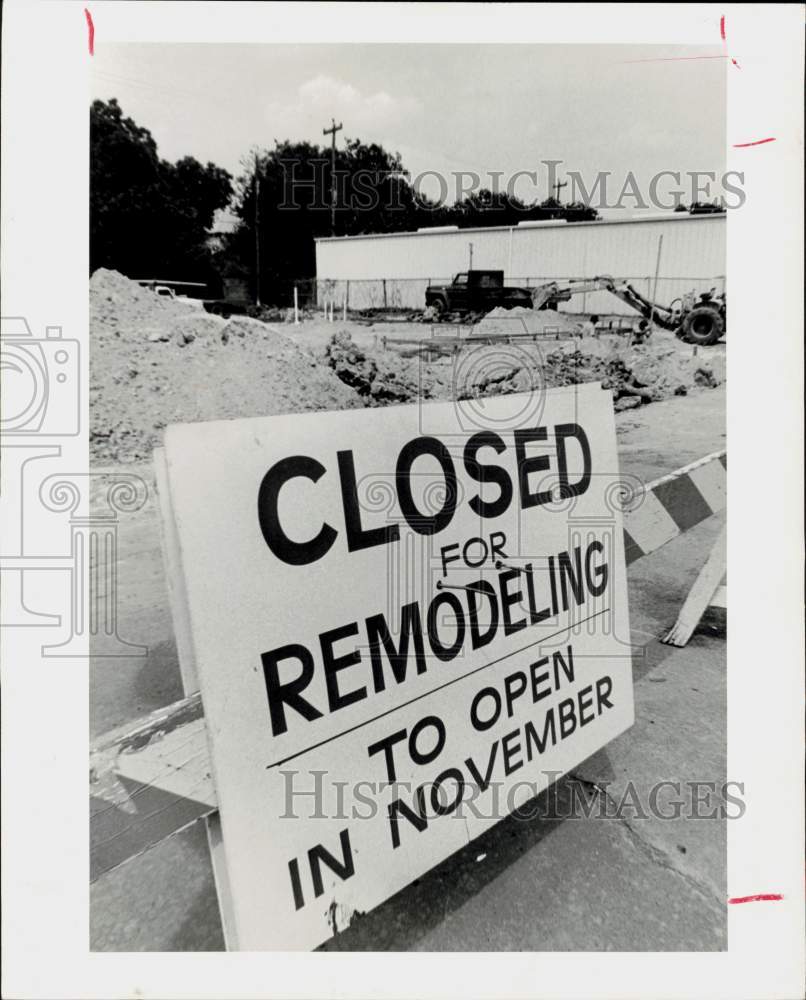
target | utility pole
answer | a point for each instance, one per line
(655, 286)
(334, 128)
(470, 247)
(557, 186)
(257, 231)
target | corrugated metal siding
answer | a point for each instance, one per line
(693, 257)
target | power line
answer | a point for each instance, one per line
(160, 88)
(257, 231)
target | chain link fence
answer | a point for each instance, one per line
(407, 294)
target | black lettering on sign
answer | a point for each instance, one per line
(418, 755)
(416, 752)
(357, 536)
(604, 687)
(447, 646)
(483, 783)
(386, 745)
(568, 717)
(378, 635)
(571, 575)
(510, 599)
(443, 804)
(418, 819)
(482, 588)
(537, 463)
(487, 474)
(563, 432)
(282, 693)
(477, 714)
(514, 687)
(533, 738)
(511, 748)
(318, 856)
(285, 548)
(428, 522)
(596, 576)
(535, 616)
(333, 664)
(425, 524)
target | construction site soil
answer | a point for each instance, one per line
(157, 361)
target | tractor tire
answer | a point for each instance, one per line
(438, 308)
(702, 326)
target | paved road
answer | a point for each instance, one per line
(556, 882)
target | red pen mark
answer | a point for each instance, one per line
(673, 59)
(90, 31)
(767, 896)
(758, 142)
(725, 40)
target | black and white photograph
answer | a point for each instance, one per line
(366, 502)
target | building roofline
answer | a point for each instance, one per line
(547, 224)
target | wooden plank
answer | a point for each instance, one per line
(148, 780)
(667, 507)
(173, 571)
(700, 595)
(172, 559)
(651, 525)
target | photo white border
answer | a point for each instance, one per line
(45, 99)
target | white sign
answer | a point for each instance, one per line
(406, 622)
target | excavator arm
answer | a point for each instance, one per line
(553, 292)
(661, 315)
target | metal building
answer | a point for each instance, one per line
(393, 269)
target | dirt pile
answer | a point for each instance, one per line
(186, 329)
(122, 307)
(381, 377)
(521, 320)
(637, 374)
(153, 362)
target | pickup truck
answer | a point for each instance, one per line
(165, 292)
(475, 292)
(236, 300)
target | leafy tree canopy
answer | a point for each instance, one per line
(149, 218)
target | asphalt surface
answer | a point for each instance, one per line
(558, 880)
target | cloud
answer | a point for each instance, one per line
(323, 97)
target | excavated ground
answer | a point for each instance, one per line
(156, 361)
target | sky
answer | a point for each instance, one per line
(444, 108)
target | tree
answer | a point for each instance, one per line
(706, 208)
(497, 208)
(148, 217)
(294, 184)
